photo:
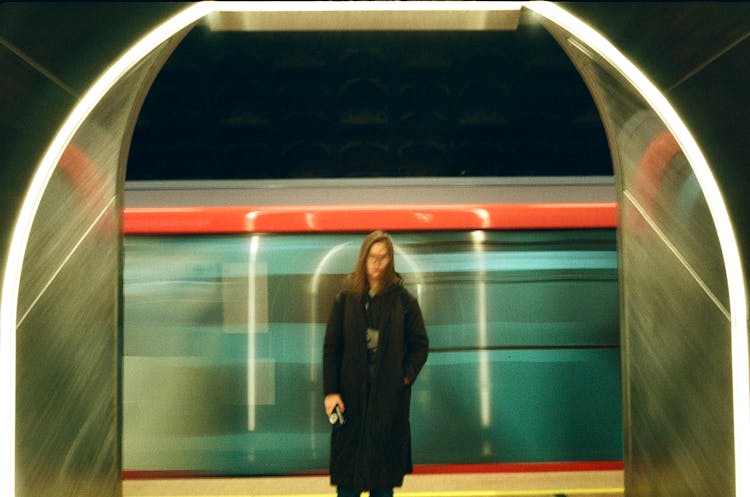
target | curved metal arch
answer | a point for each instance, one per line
(716, 204)
(194, 13)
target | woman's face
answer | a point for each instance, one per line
(377, 261)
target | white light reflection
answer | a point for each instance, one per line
(310, 220)
(315, 295)
(484, 216)
(719, 213)
(414, 269)
(252, 329)
(485, 381)
(478, 236)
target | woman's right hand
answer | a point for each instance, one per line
(331, 401)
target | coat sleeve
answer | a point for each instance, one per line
(333, 347)
(415, 336)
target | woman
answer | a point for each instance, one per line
(375, 345)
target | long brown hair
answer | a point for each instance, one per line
(356, 282)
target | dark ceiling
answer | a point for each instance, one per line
(239, 105)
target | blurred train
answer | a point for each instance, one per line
(227, 287)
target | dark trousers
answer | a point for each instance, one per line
(375, 492)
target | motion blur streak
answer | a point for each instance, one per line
(252, 320)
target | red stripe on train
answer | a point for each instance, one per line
(534, 467)
(363, 218)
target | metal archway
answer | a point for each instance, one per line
(634, 113)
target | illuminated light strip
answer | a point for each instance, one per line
(301, 16)
(315, 16)
(443, 493)
(342, 218)
(375, 6)
(719, 213)
(22, 228)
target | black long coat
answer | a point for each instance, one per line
(373, 448)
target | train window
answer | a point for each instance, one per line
(223, 340)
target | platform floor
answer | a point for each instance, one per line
(532, 484)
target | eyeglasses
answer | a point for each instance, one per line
(377, 258)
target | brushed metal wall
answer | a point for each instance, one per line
(68, 335)
(675, 324)
(676, 331)
(67, 350)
